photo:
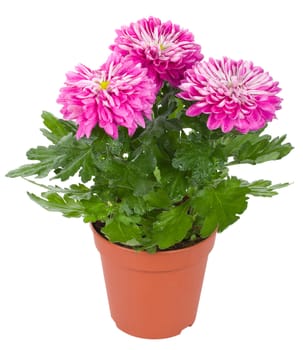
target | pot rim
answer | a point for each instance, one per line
(210, 239)
(166, 260)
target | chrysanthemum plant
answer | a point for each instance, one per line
(149, 138)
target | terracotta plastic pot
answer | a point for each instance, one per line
(153, 295)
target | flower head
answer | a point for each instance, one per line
(164, 48)
(235, 94)
(118, 94)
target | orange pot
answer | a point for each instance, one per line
(153, 295)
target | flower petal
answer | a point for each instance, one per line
(235, 94)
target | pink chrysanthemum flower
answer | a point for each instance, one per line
(235, 94)
(118, 94)
(164, 48)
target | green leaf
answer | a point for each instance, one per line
(263, 188)
(175, 183)
(42, 153)
(113, 173)
(220, 206)
(95, 210)
(142, 185)
(56, 128)
(65, 157)
(92, 209)
(171, 226)
(143, 160)
(157, 199)
(253, 148)
(131, 205)
(53, 202)
(76, 191)
(88, 168)
(39, 169)
(123, 230)
(188, 157)
(70, 156)
(124, 177)
(196, 157)
(79, 191)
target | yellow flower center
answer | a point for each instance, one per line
(162, 47)
(104, 84)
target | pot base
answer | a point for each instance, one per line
(148, 335)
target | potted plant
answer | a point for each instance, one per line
(148, 140)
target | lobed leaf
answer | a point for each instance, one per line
(123, 230)
(56, 128)
(76, 201)
(220, 206)
(53, 202)
(263, 188)
(171, 226)
(39, 169)
(253, 148)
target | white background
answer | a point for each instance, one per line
(52, 294)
